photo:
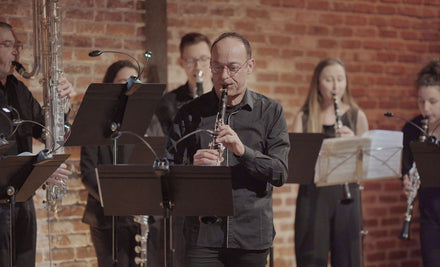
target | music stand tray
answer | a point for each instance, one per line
(304, 150)
(101, 106)
(427, 156)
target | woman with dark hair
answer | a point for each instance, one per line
(428, 91)
(322, 223)
(91, 157)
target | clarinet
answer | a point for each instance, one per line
(338, 121)
(199, 83)
(414, 178)
(220, 121)
(346, 193)
(217, 146)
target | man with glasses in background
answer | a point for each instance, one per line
(14, 94)
(256, 144)
(194, 57)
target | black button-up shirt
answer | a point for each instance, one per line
(17, 95)
(170, 103)
(261, 126)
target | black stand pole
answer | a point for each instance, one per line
(168, 236)
(10, 191)
(114, 223)
(167, 205)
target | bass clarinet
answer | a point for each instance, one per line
(414, 179)
(142, 239)
(54, 107)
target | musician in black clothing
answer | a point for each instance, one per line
(428, 90)
(100, 225)
(13, 93)
(256, 144)
(194, 57)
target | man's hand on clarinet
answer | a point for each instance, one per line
(230, 139)
(206, 157)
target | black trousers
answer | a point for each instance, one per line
(429, 203)
(225, 257)
(25, 234)
(323, 225)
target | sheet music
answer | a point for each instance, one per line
(376, 154)
(384, 156)
(340, 161)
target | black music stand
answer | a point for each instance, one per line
(142, 155)
(20, 177)
(108, 109)
(107, 103)
(427, 155)
(5, 147)
(304, 150)
(183, 191)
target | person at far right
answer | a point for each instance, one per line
(322, 223)
(428, 90)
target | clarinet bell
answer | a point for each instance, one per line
(405, 230)
(347, 198)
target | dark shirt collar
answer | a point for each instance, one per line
(247, 102)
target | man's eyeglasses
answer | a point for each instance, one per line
(15, 45)
(191, 62)
(232, 69)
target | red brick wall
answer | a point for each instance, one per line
(383, 43)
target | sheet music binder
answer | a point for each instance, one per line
(304, 150)
(427, 157)
(98, 110)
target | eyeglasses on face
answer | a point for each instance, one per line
(232, 69)
(191, 62)
(11, 44)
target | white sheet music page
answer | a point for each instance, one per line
(340, 160)
(385, 154)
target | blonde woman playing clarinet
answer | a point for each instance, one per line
(322, 223)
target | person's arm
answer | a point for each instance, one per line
(362, 123)
(298, 124)
(270, 165)
(88, 163)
